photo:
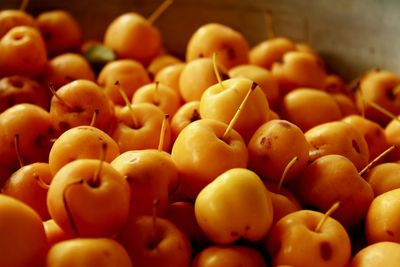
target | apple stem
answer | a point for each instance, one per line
(24, 5)
(270, 25)
(40, 181)
(286, 170)
(162, 133)
(67, 208)
(228, 130)
(379, 157)
(18, 150)
(127, 103)
(215, 66)
(380, 108)
(96, 179)
(53, 91)
(156, 100)
(159, 11)
(94, 117)
(354, 85)
(327, 214)
(361, 103)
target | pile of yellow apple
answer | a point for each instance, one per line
(115, 153)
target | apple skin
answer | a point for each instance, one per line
(385, 254)
(200, 155)
(221, 102)
(382, 219)
(123, 33)
(22, 236)
(294, 241)
(153, 242)
(228, 256)
(151, 175)
(85, 208)
(81, 252)
(236, 204)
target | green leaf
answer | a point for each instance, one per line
(99, 54)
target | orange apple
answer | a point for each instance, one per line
(151, 175)
(221, 102)
(89, 198)
(154, 242)
(235, 204)
(228, 256)
(231, 46)
(201, 155)
(295, 240)
(22, 237)
(82, 252)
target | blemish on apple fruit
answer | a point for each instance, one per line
(106, 253)
(229, 51)
(325, 250)
(17, 37)
(390, 232)
(132, 160)
(266, 142)
(265, 157)
(284, 124)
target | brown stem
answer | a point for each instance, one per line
(40, 181)
(128, 104)
(53, 91)
(384, 153)
(286, 170)
(162, 133)
(228, 130)
(327, 214)
(380, 108)
(67, 208)
(94, 117)
(216, 72)
(96, 179)
(159, 11)
(24, 5)
(18, 150)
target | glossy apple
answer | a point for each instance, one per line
(236, 204)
